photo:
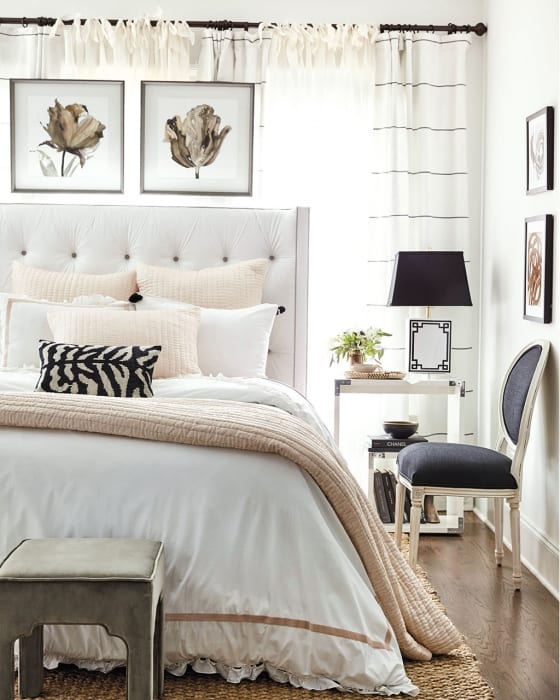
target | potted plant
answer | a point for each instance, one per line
(357, 346)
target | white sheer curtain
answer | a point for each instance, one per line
(127, 50)
(316, 152)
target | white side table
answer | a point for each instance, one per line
(453, 389)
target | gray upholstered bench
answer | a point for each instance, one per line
(116, 583)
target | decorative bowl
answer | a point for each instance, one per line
(400, 429)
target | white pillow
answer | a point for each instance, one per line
(175, 330)
(231, 286)
(23, 322)
(65, 286)
(232, 342)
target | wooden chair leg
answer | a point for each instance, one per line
(515, 541)
(499, 530)
(399, 512)
(415, 511)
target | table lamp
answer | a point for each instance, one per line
(429, 278)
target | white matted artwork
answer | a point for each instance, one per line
(197, 138)
(67, 135)
(429, 346)
(540, 151)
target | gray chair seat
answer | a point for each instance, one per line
(455, 465)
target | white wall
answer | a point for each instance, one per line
(316, 11)
(522, 77)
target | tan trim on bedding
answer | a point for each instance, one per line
(282, 622)
(420, 627)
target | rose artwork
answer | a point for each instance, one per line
(73, 131)
(537, 152)
(195, 141)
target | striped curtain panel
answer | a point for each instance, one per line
(419, 195)
(26, 52)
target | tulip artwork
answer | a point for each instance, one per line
(73, 131)
(195, 141)
(196, 137)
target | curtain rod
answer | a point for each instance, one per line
(479, 29)
(50, 21)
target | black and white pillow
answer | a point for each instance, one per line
(99, 370)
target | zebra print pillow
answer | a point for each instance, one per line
(100, 370)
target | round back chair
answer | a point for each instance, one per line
(453, 469)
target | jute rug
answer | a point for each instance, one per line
(452, 677)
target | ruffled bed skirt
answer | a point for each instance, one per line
(236, 674)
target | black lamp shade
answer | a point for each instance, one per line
(429, 278)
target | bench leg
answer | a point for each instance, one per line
(140, 670)
(158, 651)
(6, 670)
(31, 664)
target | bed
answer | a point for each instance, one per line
(275, 560)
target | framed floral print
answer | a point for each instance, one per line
(537, 298)
(540, 151)
(197, 138)
(67, 135)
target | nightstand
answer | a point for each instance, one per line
(452, 389)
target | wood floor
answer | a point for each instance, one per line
(514, 635)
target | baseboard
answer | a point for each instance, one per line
(535, 547)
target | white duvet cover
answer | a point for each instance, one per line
(260, 574)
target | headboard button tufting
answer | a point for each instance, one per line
(110, 238)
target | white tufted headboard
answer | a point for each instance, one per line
(107, 238)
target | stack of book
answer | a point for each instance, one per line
(385, 443)
(384, 481)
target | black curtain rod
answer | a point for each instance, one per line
(50, 21)
(479, 29)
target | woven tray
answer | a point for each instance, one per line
(354, 374)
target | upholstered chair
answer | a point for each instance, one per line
(452, 469)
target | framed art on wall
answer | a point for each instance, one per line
(540, 151)
(197, 138)
(66, 135)
(537, 298)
